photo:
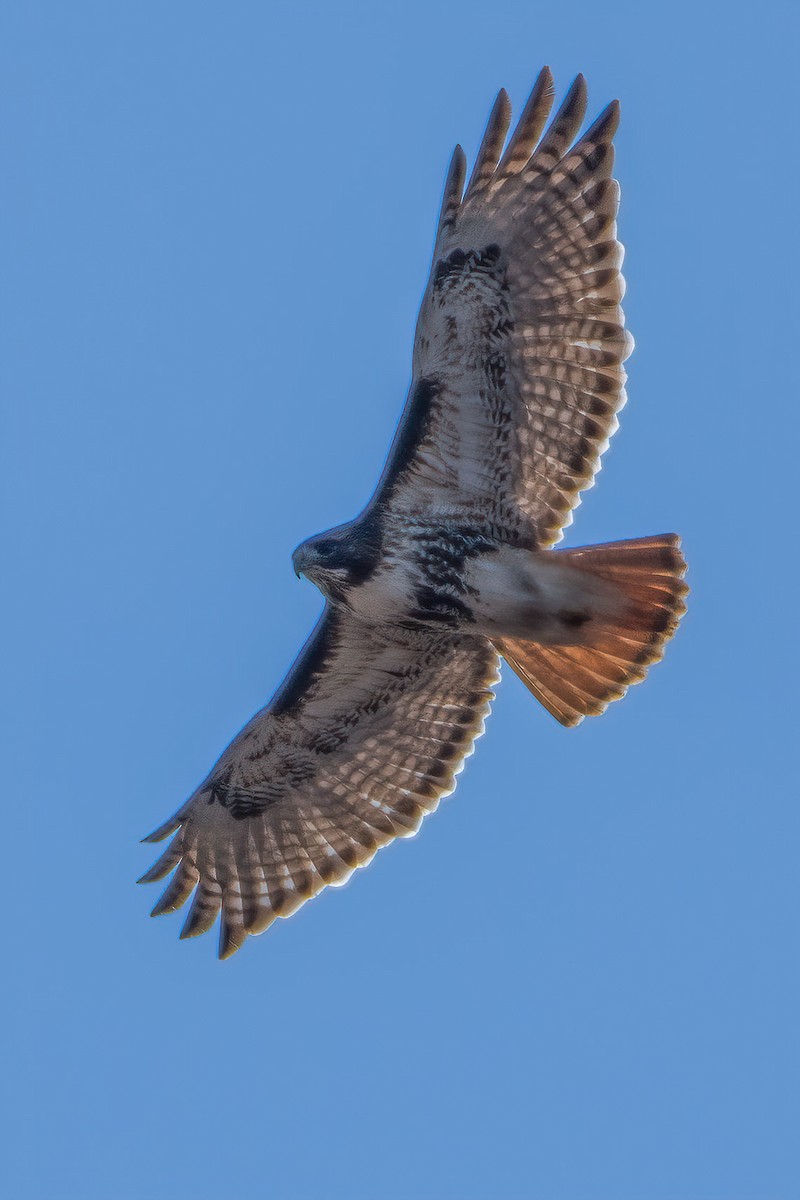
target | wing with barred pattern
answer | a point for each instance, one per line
(520, 341)
(360, 743)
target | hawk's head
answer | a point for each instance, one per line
(339, 559)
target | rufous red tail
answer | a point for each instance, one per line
(575, 681)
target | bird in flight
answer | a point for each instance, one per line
(517, 380)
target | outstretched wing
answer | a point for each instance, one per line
(520, 339)
(361, 741)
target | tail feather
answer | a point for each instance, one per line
(578, 680)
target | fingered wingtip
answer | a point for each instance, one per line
(453, 190)
(578, 91)
(155, 836)
(163, 831)
(605, 125)
(491, 145)
(499, 120)
(229, 942)
(611, 113)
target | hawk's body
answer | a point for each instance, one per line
(517, 378)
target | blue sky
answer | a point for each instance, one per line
(581, 981)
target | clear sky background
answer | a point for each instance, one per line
(580, 982)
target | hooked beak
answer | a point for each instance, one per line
(298, 561)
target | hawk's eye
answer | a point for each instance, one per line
(325, 549)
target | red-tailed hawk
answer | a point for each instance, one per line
(517, 379)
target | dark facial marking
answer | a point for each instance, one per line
(362, 552)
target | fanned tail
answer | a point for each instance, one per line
(575, 681)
